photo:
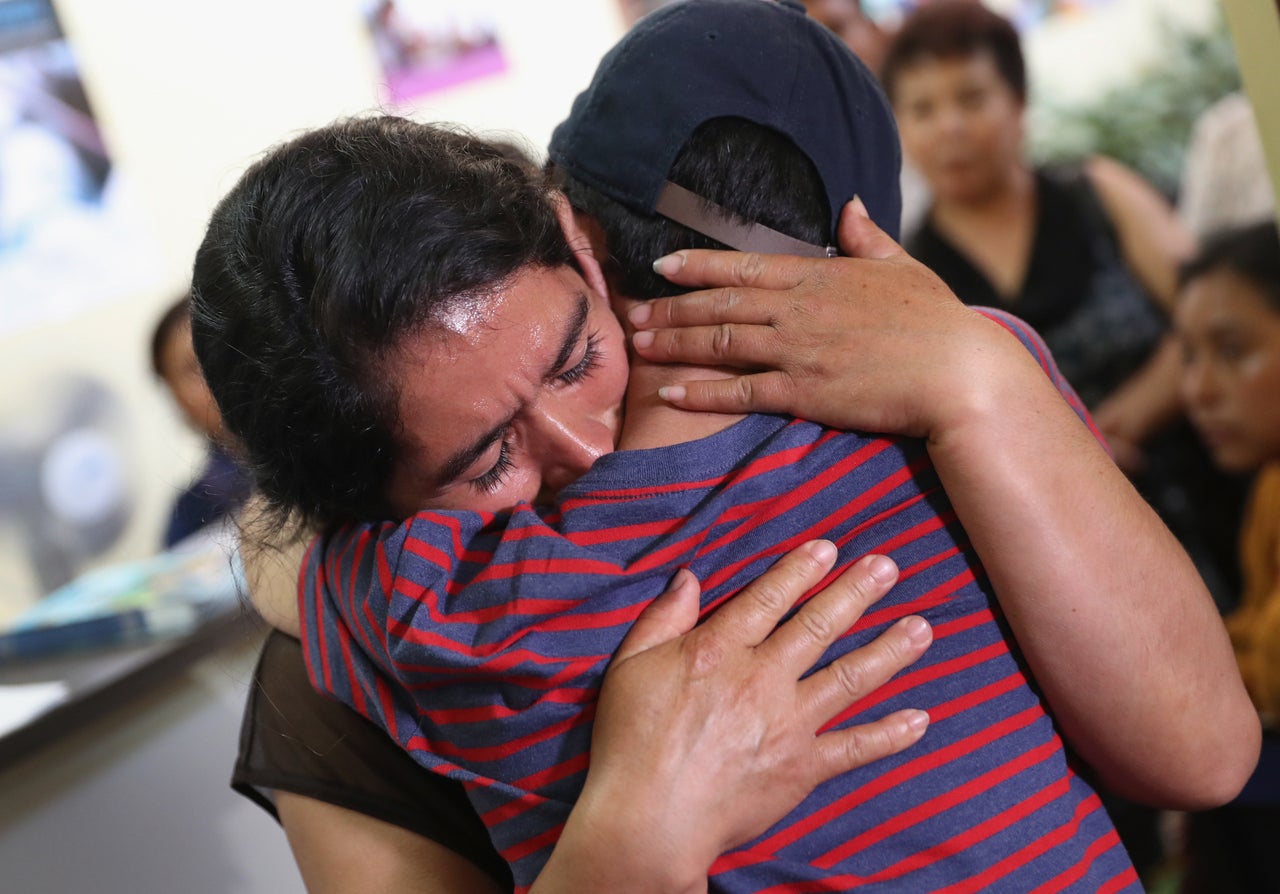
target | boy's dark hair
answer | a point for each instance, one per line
(325, 255)
(951, 29)
(1252, 252)
(178, 314)
(744, 167)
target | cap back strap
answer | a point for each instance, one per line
(705, 217)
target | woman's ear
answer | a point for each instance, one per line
(586, 241)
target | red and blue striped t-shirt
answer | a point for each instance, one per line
(479, 642)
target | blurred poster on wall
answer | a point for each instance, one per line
(68, 248)
(66, 488)
(64, 243)
(425, 46)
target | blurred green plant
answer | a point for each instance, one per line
(1145, 122)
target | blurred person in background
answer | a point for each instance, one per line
(222, 487)
(1087, 254)
(869, 41)
(1227, 321)
(859, 31)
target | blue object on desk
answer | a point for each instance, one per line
(165, 595)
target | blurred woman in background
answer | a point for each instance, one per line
(1228, 324)
(1087, 254)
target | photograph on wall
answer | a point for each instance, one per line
(68, 246)
(62, 241)
(425, 46)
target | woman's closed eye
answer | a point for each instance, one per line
(591, 358)
(491, 480)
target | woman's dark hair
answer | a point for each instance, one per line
(950, 29)
(178, 314)
(747, 168)
(1251, 252)
(327, 254)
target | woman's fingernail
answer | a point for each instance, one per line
(823, 550)
(859, 207)
(642, 340)
(883, 569)
(668, 265)
(917, 720)
(640, 314)
(681, 578)
(918, 629)
(672, 393)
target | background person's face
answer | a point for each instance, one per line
(1230, 384)
(960, 123)
(511, 394)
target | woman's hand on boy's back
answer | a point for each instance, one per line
(1106, 607)
(707, 735)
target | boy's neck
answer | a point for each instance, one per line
(652, 422)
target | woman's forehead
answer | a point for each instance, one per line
(470, 370)
(462, 386)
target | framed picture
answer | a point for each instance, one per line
(60, 235)
(425, 46)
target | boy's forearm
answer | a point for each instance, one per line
(271, 566)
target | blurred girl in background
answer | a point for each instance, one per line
(1228, 324)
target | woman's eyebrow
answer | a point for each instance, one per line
(572, 335)
(461, 460)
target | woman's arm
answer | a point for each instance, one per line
(1153, 241)
(1107, 608)
(341, 851)
(1142, 405)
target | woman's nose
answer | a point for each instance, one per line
(565, 444)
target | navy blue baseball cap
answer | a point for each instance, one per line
(762, 60)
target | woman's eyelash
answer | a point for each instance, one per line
(491, 480)
(590, 360)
